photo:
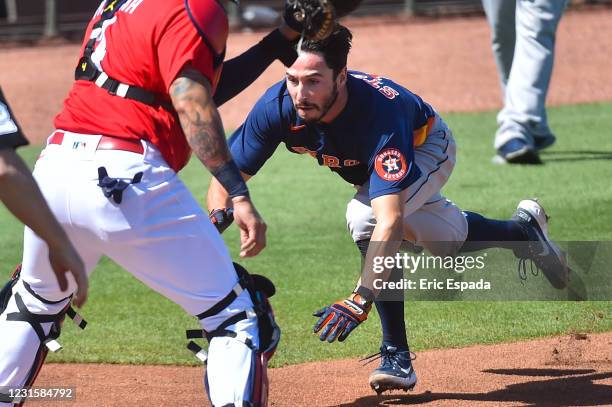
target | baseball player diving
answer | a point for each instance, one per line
(398, 152)
(150, 76)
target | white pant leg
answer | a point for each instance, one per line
(173, 248)
(57, 185)
(158, 232)
(430, 220)
(19, 343)
(439, 226)
(501, 17)
(162, 236)
(524, 112)
(37, 271)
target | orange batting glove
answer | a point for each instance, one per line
(339, 319)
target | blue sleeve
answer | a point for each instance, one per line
(391, 164)
(256, 140)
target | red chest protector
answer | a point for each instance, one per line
(210, 19)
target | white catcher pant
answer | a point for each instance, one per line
(430, 220)
(158, 233)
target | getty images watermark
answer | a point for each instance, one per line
(492, 274)
(411, 263)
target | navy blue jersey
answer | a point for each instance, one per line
(372, 139)
(10, 135)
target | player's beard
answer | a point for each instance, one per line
(329, 102)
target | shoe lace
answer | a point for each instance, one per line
(522, 269)
(385, 354)
(526, 257)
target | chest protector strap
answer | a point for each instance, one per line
(86, 70)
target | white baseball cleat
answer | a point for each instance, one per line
(542, 251)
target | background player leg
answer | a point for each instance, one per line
(501, 17)
(523, 117)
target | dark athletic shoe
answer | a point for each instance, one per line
(542, 142)
(395, 371)
(517, 151)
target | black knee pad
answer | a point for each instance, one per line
(7, 290)
(47, 341)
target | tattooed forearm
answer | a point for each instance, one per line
(200, 120)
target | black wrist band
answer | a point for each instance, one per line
(365, 293)
(229, 176)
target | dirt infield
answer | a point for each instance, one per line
(448, 62)
(573, 370)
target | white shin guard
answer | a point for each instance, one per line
(230, 372)
(27, 336)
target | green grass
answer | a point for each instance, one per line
(313, 261)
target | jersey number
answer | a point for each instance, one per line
(100, 33)
(7, 125)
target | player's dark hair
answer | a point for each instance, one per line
(334, 48)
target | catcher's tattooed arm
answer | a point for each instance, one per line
(192, 98)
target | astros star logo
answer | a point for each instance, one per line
(390, 165)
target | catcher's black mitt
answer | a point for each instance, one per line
(316, 19)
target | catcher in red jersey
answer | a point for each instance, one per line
(148, 81)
